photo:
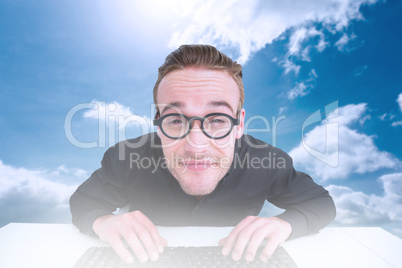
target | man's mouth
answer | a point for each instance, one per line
(198, 164)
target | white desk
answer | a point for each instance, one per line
(60, 245)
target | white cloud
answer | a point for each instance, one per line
(299, 36)
(359, 71)
(382, 117)
(397, 124)
(239, 28)
(296, 44)
(343, 41)
(399, 101)
(322, 44)
(250, 25)
(116, 114)
(290, 66)
(299, 90)
(115, 122)
(282, 110)
(37, 195)
(303, 88)
(355, 151)
(354, 207)
(364, 119)
(397, 231)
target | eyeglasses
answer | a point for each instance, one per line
(215, 125)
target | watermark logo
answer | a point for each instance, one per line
(266, 129)
(330, 155)
(114, 118)
(269, 161)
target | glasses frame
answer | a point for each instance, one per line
(233, 121)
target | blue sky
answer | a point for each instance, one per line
(69, 69)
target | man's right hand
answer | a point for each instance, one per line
(139, 232)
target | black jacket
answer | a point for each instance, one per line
(133, 172)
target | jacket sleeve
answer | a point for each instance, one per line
(308, 206)
(101, 194)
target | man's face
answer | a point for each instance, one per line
(197, 161)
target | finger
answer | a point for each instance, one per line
(255, 242)
(244, 238)
(272, 244)
(159, 242)
(146, 241)
(222, 241)
(121, 250)
(135, 244)
(149, 244)
(164, 242)
(231, 239)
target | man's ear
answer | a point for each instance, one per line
(240, 127)
(158, 131)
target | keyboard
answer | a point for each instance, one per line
(210, 257)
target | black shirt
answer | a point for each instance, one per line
(134, 173)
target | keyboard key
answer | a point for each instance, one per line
(103, 257)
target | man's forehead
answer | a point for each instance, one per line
(198, 76)
(179, 106)
(197, 88)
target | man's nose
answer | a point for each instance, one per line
(196, 140)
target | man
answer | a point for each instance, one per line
(198, 169)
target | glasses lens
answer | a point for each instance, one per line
(217, 126)
(175, 125)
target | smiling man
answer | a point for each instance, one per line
(201, 170)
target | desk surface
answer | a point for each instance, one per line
(60, 245)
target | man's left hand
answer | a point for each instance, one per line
(248, 235)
